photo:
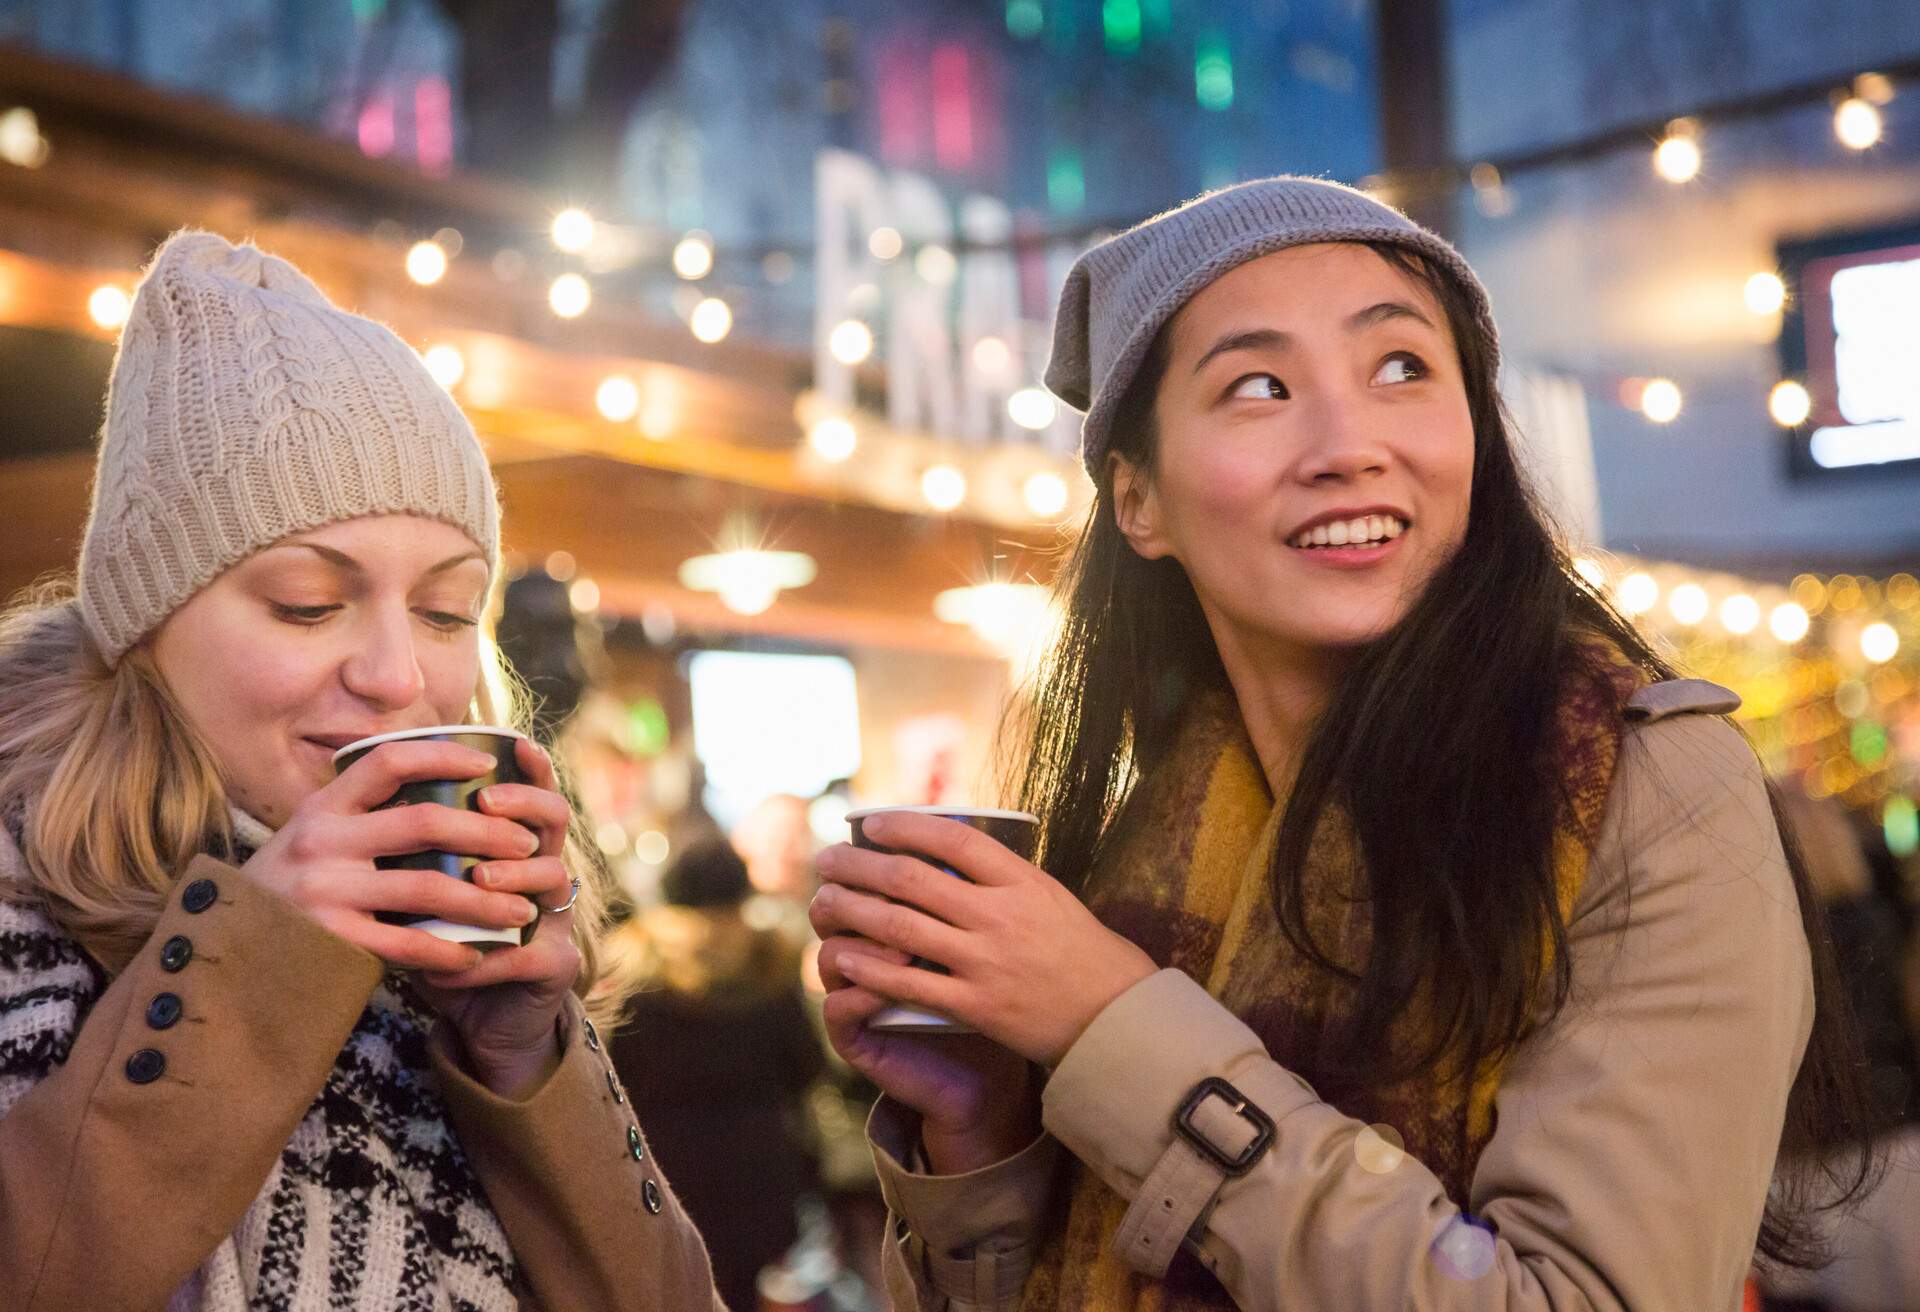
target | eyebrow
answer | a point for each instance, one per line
(343, 561)
(1266, 339)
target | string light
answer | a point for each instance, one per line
(1740, 614)
(1660, 400)
(885, 244)
(711, 320)
(20, 139)
(447, 365)
(617, 398)
(1639, 593)
(943, 487)
(572, 230)
(1046, 494)
(851, 342)
(1688, 603)
(426, 263)
(1789, 621)
(1032, 408)
(585, 596)
(693, 256)
(1766, 293)
(1857, 124)
(1789, 404)
(1879, 642)
(109, 306)
(569, 296)
(937, 265)
(833, 439)
(992, 357)
(1677, 157)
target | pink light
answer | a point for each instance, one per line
(952, 106)
(433, 125)
(376, 126)
(902, 114)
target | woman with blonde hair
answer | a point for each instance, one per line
(225, 1080)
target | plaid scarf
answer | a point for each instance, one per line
(1187, 879)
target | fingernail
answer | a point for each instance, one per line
(531, 845)
(527, 912)
(483, 876)
(488, 796)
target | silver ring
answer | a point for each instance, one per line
(568, 904)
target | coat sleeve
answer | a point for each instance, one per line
(181, 1088)
(1636, 1130)
(591, 1219)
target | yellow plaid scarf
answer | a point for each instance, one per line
(1188, 881)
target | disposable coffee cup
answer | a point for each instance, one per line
(1015, 830)
(461, 794)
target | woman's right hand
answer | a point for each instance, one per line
(977, 1100)
(321, 860)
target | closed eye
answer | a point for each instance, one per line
(1258, 387)
(446, 621)
(1409, 367)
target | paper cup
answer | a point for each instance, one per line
(1015, 830)
(460, 794)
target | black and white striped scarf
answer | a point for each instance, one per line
(371, 1206)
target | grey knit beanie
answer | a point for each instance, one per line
(1122, 292)
(244, 406)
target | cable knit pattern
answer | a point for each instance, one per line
(372, 1206)
(244, 406)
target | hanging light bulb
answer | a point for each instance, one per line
(1677, 157)
(711, 320)
(426, 263)
(109, 306)
(1739, 614)
(1638, 593)
(1857, 123)
(446, 364)
(851, 341)
(1046, 493)
(618, 398)
(1879, 642)
(833, 439)
(569, 296)
(944, 487)
(1789, 404)
(1688, 603)
(693, 256)
(572, 230)
(1032, 408)
(1660, 400)
(1789, 622)
(1766, 293)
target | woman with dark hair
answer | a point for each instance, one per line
(1403, 934)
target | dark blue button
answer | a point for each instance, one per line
(176, 953)
(145, 1066)
(633, 1144)
(613, 1087)
(164, 1010)
(593, 1035)
(650, 1195)
(200, 895)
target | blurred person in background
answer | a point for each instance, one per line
(1404, 933)
(719, 1051)
(225, 1081)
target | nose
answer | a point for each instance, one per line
(384, 670)
(1344, 441)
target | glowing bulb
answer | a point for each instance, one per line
(1660, 400)
(585, 596)
(851, 341)
(1677, 157)
(109, 306)
(572, 230)
(426, 263)
(569, 296)
(1591, 570)
(1638, 593)
(833, 440)
(618, 398)
(1857, 123)
(936, 265)
(944, 487)
(693, 257)
(992, 356)
(1032, 407)
(20, 139)
(711, 320)
(1688, 603)
(1739, 614)
(1789, 404)
(1879, 642)
(1789, 621)
(446, 364)
(1046, 494)
(1766, 293)
(885, 243)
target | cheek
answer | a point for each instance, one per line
(451, 672)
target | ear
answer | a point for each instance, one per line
(1136, 508)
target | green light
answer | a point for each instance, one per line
(368, 10)
(1157, 16)
(1901, 823)
(1869, 742)
(1213, 73)
(1066, 181)
(1121, 19)
(1025, 18)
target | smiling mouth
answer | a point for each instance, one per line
(1364, 531)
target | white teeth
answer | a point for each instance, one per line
(1337, 534)
(1318, 536)
(1375, 528)
(1356, 531)
(1394, 528)
(1353, 532)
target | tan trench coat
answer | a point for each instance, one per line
(1636, 1131)
(113, 1192)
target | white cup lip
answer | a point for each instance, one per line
(428, 731)
(976, 812)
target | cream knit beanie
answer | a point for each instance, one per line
(244, 406)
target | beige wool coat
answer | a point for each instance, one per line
(1636, 1131)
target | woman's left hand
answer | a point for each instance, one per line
(1031, 966)
(504, 1008)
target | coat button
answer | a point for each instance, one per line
(650, 1195)
(613, 1087)
(176, 953)
(145, 1066)
(593, 1035)
(164, 1010)
(633, 1144)
(199, 896)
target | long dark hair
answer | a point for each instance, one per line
(1458, 860)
